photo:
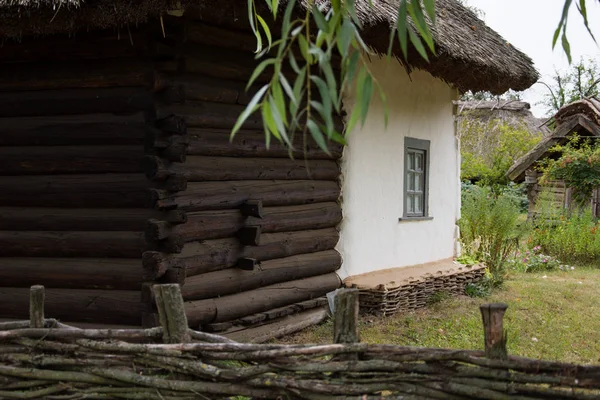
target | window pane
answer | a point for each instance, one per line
(419, 162)
(411, 176)
(411, 160)
(417, 182)
(410, 204)
(418, 203)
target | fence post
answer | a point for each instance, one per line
(345, 319)
(171, 313)
(494, 334)
(36, 306)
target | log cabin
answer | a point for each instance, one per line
(117, 171)
(582, 118)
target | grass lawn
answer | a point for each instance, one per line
(554, 318)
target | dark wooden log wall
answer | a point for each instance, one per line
(260, 227)
(75, 115)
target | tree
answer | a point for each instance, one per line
(327, 27)
(511, 95)
(580, 81)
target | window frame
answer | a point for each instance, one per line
(420, 145)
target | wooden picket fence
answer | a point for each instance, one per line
(43, 358)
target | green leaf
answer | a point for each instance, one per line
(336, 4)
(298, 90)
(331, 83)
(250, 108)
(319, 19)
(279, 101)
(583, 11)
(326, 114)
(415, 11)
(258, 70)
(269, 121)
(352, 64)
(265, 29)
(345, 37)
(293, 62)
(324, 92)
(562, 23)
(384, 102)
(416, 41)
(303, 43)
(317, 135)
(288, 89)
(402, 29)
(367, 92)
(279, 123)
(274, 7)
(430, 9)
(287, 18)
(251, 18)
(566, 46)
(339, 138)
(360, 40)
(351, 7)
(353, 118)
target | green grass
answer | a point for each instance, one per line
(552, 318)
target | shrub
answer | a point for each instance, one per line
(534, 261)
(489, 228)
(578, 167)
(571, 237)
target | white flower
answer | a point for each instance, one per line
(572, 268)
(544, 277)
(581, 283)
(534, 339)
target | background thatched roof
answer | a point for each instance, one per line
(470, 55)
(512, 112)
(581, 117)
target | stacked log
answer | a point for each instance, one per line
(260, 223)
(75, 200)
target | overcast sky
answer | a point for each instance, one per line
(529, 26)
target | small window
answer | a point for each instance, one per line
(416, 177)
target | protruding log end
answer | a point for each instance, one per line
(250, 235)
(147, 294)
(252, 208)
(176, 217)
(176, 183)
(36, 306)
(173, 93)
(175, 152)
(172, 244)
(175, 274)
(155, 265)
(494, 334)
(247, 264)
(157, 230)
(172, 124)
(155, 168)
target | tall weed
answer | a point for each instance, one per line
(573, 236)
(489, 230)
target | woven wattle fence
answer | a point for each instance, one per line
(43, 358)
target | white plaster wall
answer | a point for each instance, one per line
(372, 238)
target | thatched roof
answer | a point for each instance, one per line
(470, 55)
(512, 112)
(581, 117)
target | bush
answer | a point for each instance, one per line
(489, 228)
(534, 261)
(571, 237)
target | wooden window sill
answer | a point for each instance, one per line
(409, 219)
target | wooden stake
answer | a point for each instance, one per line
(252, 208)
(36, 306)
(171, 313)
(494, 334)
(345, 320)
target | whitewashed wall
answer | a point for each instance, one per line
(372, 238)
